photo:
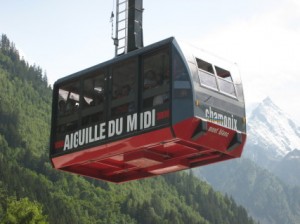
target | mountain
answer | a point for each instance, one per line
(274, 141)
(31, 191)
(266, 180)
(271, 134)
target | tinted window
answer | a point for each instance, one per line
(182, 85)
(182, 103)
(94, 98)
(124, 88)
(68, 107)
(156, 79)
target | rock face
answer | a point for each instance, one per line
(272, 135)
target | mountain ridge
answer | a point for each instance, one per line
(272, 131)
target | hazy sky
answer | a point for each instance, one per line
(262, 36)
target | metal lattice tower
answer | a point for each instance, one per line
(128, 33)
(120, 40)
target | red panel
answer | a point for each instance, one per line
(216, 137)
(143, 159)
(155, 153)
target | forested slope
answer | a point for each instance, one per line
(27, 179)
(266, 197)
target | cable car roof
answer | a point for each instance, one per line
(117, 59)
(189, 52)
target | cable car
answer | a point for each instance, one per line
(162, 108)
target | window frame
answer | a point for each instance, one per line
(218, 79)
(90, 111)
(114, 101)
(160, 89)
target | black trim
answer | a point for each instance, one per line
(235, 142)
(200, 130)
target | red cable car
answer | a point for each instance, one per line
(162, 108)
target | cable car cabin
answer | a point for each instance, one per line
(155, 110)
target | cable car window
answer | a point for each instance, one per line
(182, 102)
(124, 77)
(225, 81)
(93, 100)
(223, 73)
(68, 107)
(206, 74)
(156, 79)
(205, 66)
(68, 99)
(182, 85)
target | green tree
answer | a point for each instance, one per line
(23, 211)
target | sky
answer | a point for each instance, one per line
(261, 36)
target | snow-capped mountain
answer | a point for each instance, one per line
(272, 134)
(263, 185)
